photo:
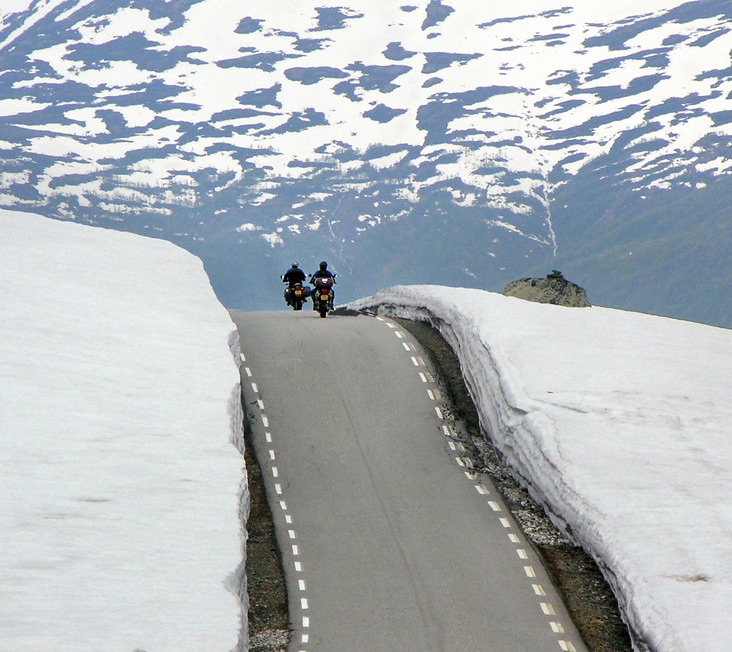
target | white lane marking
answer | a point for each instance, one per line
(255, 389)
(471, 476)
(305, 622)
(242, 357)
(390, 325)
(567, 646)
(538, 589)
(305, 638)
(459, 461)
(260, 403)
(406, 346)
(278, 489)
(380, 318)
(439, 413)
(291, 534)
(275, 472)
(415, 362)
(431, 394)
(513, 538)
(298, 567)
(421, 361)
(398, 334)
(530, 572)
(268, 437)
(422, 377)
(494, 506)
(451, 444)
(303, 603)
(288, 519)
(283, 505)
(557, 628)
(271, 454)
(446, 430)
(301, 584)
(548, 609)
(481, 489)
(505, 522)
(295, 551)
(265, 421)
(522, 553)
(248, 371)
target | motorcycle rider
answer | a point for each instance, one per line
(323, 272)
(292, 276)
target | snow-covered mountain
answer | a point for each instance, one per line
(496, 139)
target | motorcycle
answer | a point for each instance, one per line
(296, 294)
(323, 295)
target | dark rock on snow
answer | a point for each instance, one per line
(554, 289)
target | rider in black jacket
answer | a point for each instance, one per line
(323, 272)
(291, 277)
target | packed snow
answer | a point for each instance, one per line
(123, 492)
(619, 423)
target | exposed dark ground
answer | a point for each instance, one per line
(588, 597)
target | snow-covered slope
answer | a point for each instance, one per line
(619, 424)
(502, 133)
(122, 491)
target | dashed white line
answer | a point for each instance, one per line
(548, 609)
(494, 506)
(242, 357)
(513, 538)
(557, 628)
(303, 603)
(291, 534)
(278, 489)
(268, 437)
(406, 346)
(538, 589)
(431, 394)
(288, 519)
(530, 572)
(522, 553)
(505, 522)
(260, 403)
(481, 489)
(254, 388)
(265, 421)
(295, 551)
(422, 377)
(275, 472)
(398, 334)
(301, 585)
(415, 362)
(567, 646)
(248, 371)
(439, 413)
(271, 454)
(298, 567)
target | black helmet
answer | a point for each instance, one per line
(323, 265)
(295, 264)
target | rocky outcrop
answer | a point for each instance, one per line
(553, 289)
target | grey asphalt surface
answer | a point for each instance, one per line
(388, 542)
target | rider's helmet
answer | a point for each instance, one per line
(323, 265)
(295, 264)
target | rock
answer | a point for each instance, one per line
(554, 289)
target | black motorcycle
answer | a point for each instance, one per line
(296, 294)
(323, 295)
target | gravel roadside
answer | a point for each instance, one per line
(588, 597)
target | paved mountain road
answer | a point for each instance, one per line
(388, 541)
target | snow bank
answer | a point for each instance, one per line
(619, 423)
(122, 494)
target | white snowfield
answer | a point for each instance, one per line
(123, 492)
(620, 423)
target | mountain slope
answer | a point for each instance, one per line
(488, 138)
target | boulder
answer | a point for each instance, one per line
(554, 289)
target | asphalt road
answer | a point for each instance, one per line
(389, 541)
